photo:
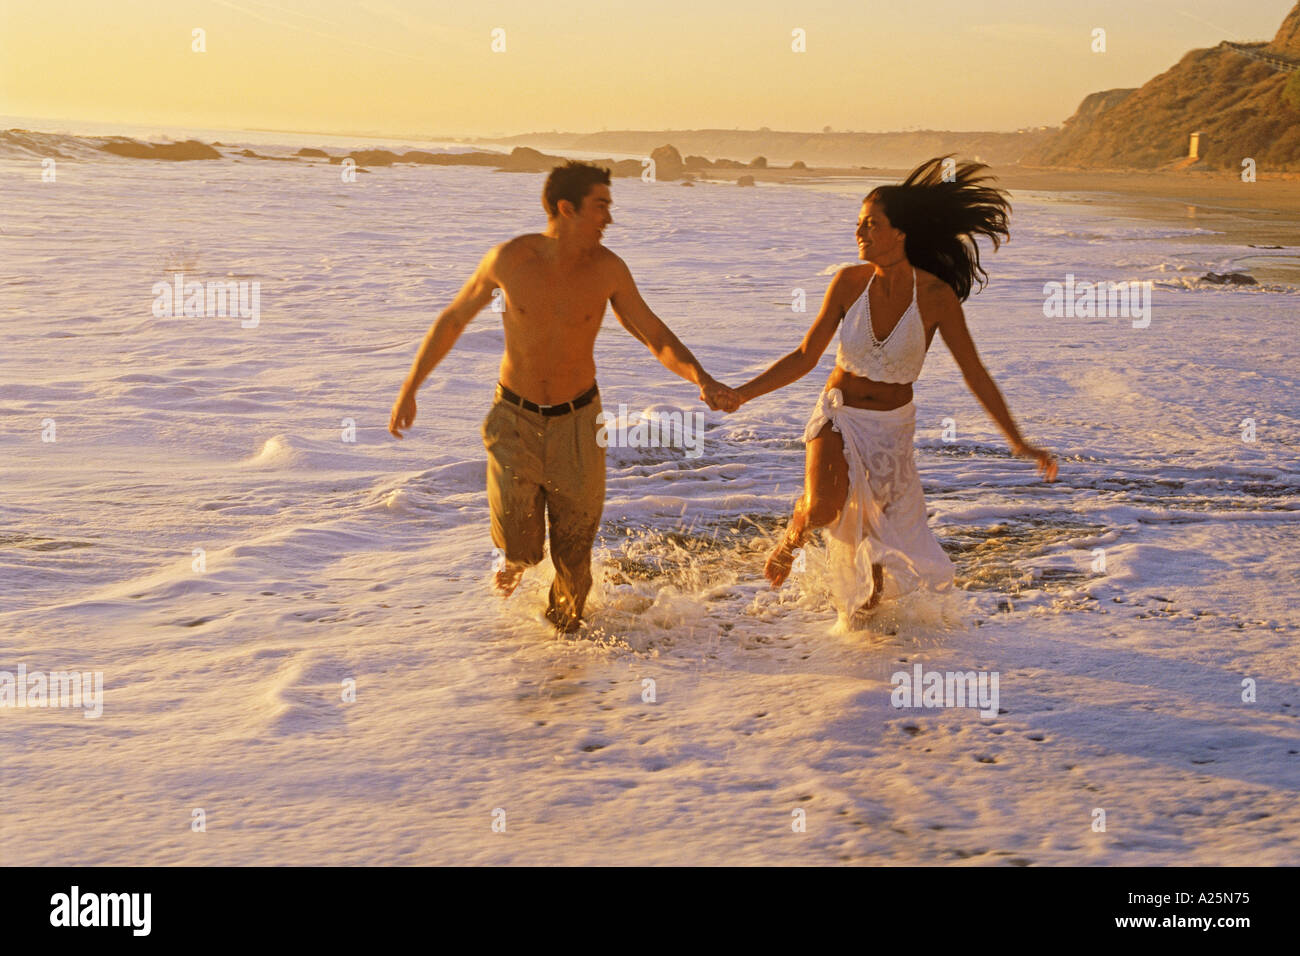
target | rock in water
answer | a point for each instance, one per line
(668, 163)
(1229, 278)
(134, 149)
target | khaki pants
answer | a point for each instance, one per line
(542, 467)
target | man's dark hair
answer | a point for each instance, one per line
(572, 181)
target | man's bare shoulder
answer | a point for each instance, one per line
(611, 265)
(608, 258)
(520, 247)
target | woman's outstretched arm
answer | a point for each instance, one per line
(795, 365)
(952, 325)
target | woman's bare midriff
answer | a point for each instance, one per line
(862, 392)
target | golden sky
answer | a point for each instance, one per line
(404, 67)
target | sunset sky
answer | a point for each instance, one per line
(403, 67)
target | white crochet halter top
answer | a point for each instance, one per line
(898, 359)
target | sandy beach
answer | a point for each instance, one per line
(1263, 213)
(1272, 195)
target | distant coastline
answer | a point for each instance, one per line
(1262, 213)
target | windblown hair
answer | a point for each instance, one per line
(941, 219)
(572, 181)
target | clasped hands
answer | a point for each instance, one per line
(719, 397)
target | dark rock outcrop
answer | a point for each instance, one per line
(134, 149)
(668, 163)
(374, 157)
(252, 155)
(525, 159)
(624, 167)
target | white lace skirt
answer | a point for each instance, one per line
(883, 519)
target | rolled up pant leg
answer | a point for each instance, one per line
(515, 444)
(575, 500)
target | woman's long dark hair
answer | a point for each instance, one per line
(941, 218)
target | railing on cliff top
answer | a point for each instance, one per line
(1279, 63)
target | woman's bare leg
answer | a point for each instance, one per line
(826, 484)
(878, 576)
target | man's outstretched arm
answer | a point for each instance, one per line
(650, 330)
(442, 335)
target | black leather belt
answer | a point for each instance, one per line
(586, 398)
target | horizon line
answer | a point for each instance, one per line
(466, 137)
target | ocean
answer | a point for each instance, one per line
(209, 511)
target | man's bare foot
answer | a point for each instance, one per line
(779, 562)
(564, 623)
(507, 579)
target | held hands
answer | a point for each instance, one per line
(403, 414)
(1046, 460)
(718, 396)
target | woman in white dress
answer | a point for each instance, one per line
(918, 243)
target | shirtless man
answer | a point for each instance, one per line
(540, 434)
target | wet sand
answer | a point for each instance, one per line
(1264, 214)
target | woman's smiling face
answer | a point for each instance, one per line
(876, 237)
